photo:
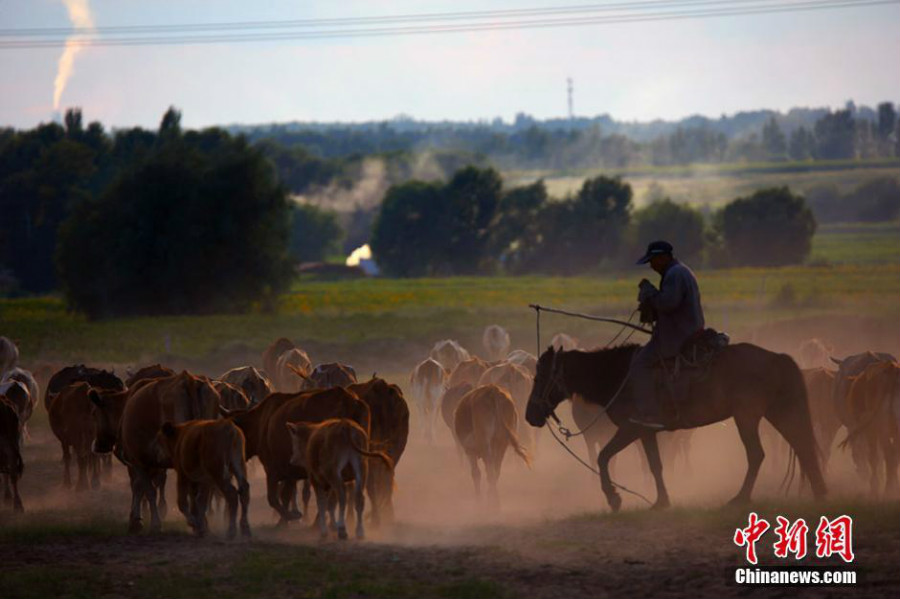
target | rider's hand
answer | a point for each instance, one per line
(647, 290)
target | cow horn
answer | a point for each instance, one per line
(835, 360)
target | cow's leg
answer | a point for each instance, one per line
(476, 473)
(341, 488)
(289, 499)
(107, 466)
(94, 461)
(651, 448)
(137, 497)
(321, 509)
(17, 500)
(888, 439)
(67, 463)
(159, 482)
(622, 439)
(81, 459)
(492, 471)
(748, 429)
(203, 493)
(244, 494)
(307, 494)
(151, 491)
(231, 504)
(183, 488)
(871, 448)
(272, 495)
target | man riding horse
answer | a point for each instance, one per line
(675, 308)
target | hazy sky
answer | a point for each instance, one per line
(637, 71)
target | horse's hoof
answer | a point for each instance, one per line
(660, 505)
(342, 534)
(615, 502)
(295, 515)
(739, 500)
(135, 526)
(18, 507)
(245, 531)
(231, 534)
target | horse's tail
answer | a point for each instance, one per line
(789, 414)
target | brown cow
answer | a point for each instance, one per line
(467, 371)
(176, 399)
(875, 406)
(255, 384)
(11, 464)
(99, 379)
(72, 421)
(206, 454)
(231, 397)
(332, 374)
(485, 426)
(516, 381)
(271, 355)
(448, 353)
(325, 450)
(389, 433)
(428, 382)
(16, 393)
(268, 438)
(292, 371)
(524, 359)
(154, 371)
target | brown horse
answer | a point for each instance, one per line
(745, 382)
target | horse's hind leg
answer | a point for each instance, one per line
(651, 448)
(748, 428)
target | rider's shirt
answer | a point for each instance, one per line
(679, 314)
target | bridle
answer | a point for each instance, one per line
(556, 381)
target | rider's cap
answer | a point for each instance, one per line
(654, 249)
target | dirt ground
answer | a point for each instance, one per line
(553, 535)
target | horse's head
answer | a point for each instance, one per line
(548, 389)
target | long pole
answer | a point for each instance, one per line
(539, 308)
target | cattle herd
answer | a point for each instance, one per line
(319, 428)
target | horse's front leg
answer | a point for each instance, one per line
(622, 439)
(651, 449)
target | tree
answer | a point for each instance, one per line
(887, 119)
(471, 200)
(802, 145)
(315, 233)
(406, 237)
(516, 229)
(680, 225)
(185, 230)
(774, 141)
(835, 136)
(773, 227)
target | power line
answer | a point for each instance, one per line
(739, 9)
(343, 21)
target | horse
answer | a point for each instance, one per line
(744, 382)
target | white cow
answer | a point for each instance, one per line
(496, 342)
(428, 381)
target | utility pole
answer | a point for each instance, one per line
(571, 91)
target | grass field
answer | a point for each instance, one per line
(711, 186)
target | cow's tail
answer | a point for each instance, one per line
(369, 454)
(860, 427)
(237, 461)
(511, 433)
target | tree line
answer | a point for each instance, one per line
(849, 133)
(472, 225)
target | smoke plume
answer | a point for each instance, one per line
(80, 14)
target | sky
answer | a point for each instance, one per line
(632, 71)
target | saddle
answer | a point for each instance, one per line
(676, 377)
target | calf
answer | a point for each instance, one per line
(325, 450)
(206, 455)
(485, 426)
(427, 381)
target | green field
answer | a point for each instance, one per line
(714, 186)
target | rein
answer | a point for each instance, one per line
(557, 380)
